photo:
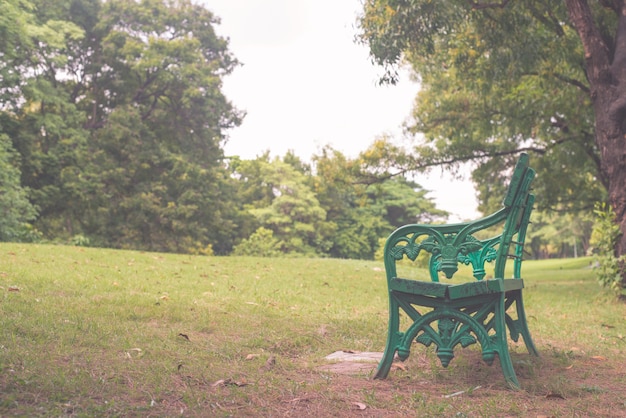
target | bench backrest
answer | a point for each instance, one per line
(452, 244)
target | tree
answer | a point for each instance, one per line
(365, 213)
(286, 209)
(548, 77)
(559, 235)
(15, 209)
(117, 113)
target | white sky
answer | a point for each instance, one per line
(305, 84)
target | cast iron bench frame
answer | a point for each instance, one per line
(464, 313)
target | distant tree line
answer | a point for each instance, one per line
(112, 127)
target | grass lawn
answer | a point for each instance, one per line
(96, 332)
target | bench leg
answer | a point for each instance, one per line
(393, 340)
(502, 346)
(521, 317)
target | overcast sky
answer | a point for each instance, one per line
(305, 83)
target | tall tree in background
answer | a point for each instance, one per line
(35, 115)
(497, 78)
(16, 212)
(116, 110)
(158, 118)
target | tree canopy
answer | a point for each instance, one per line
(113, 122)
(117, 112)
(498, 78)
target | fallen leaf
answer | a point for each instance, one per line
(229, 382)
(400, 366)
(138, 353)
(221, 382)
(252, 356)
(297, 400)
(14, 289)
(599, 358)
(553, 395)
(269, 364)
(360, 406)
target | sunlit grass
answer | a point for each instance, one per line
(102, 332)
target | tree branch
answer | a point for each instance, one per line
(551, 23)
(573, 82)
(369, 178)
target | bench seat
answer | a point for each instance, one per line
(455, 291)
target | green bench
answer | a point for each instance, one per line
(449, 314)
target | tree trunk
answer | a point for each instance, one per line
(606, 72)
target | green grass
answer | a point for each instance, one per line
(94, 332)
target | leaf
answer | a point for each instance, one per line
(360, 406)
(424, 339)
(252, 356)
(429, 244)
(467, 340)
(137, 351)
(269, 364)
(397, 252)
(400, 366)
(599, 358)
(412, 251)
(229, 382)
(470, 245)
(221, 382)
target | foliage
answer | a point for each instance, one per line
(323, 208)
(365, 212)
(291, 211)
(16, 212)
(260, 244)
(608, 266)
(559, 234)
(116, 115)
(495, 81)
(116, 111)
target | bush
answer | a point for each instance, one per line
(261, 244)
(609, 268)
